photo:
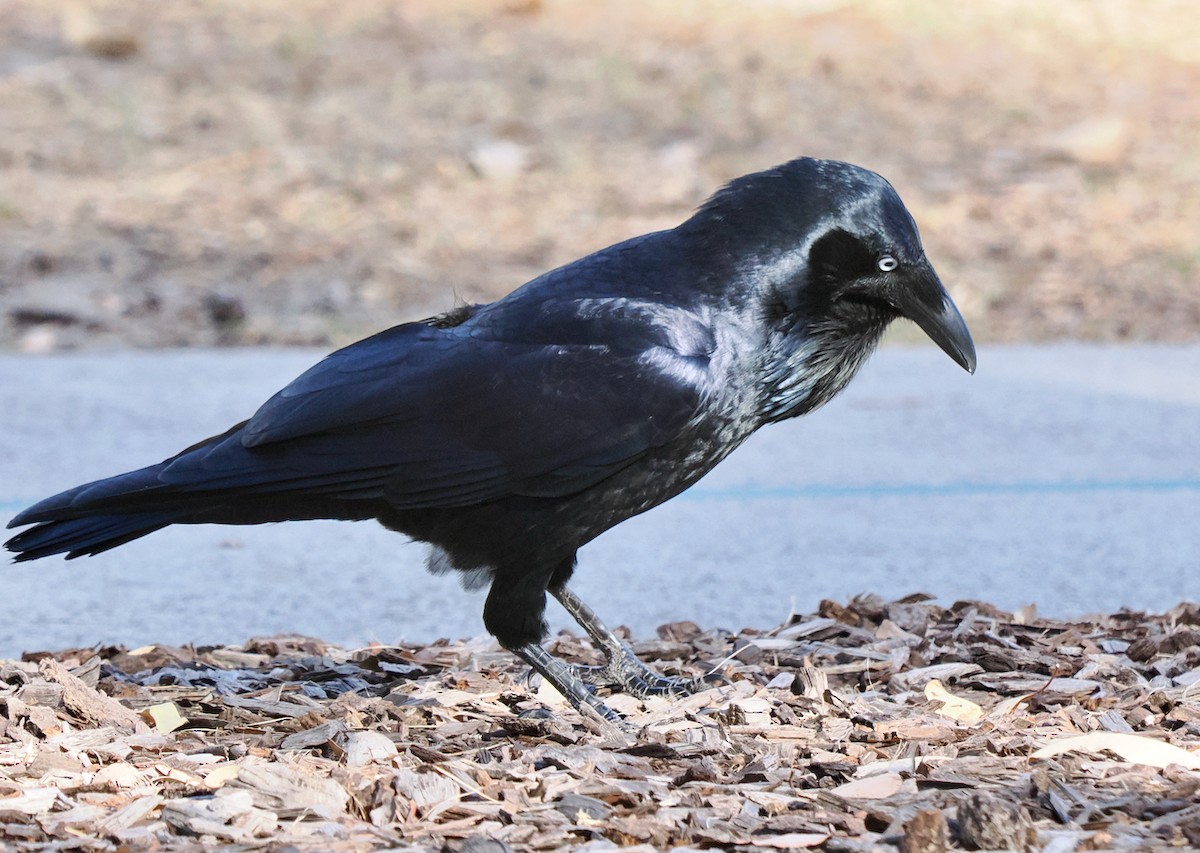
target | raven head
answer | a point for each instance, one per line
(865, 263)
(865, 280)
(848, 261)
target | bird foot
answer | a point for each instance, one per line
(566, 681)
(636, 679)
(622, 667)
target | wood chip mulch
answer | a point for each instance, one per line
(867, 726)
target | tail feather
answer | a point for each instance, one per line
(215, 481)
(138, 494)
(78, 537)
(134, 491)
(96, 516)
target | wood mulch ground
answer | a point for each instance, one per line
(868, 726)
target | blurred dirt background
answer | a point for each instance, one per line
(305, 172)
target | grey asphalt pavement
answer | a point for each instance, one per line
(1066, 476)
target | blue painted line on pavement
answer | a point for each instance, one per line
(820, 491)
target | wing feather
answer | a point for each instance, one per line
(441, 417)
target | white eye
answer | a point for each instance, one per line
(887, 263)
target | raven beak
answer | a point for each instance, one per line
(930, 307)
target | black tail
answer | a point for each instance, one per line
(94, 517)
(79, 537)
(217, 481)
(100, 515)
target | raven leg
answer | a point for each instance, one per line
(622, 666)
(564, 680)
(513, 613)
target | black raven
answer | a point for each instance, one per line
(509, 434)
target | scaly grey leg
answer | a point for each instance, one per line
(622, 666)
(564, 679)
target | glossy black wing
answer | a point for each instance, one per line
(432, 417)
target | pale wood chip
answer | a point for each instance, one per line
(86, 702)
(316, 736)
(130, 814)
(289, 792)
(227, 814)
(267, 706)
(120, 775)
(30, 801)
(368, 748)
(917, 678)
